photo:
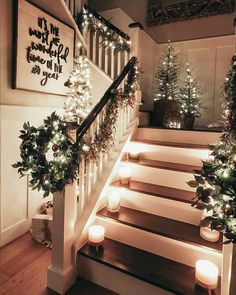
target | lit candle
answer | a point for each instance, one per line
(206, 274)
(125, 174)
(96, 235)
(209, 235)
(134, 155)
(113, 202)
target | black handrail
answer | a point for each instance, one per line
(99, 106)
(107, 23)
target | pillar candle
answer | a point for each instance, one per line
(206, 274)
(113, 202)
(209, 235)
(96, 235)
(125, 174)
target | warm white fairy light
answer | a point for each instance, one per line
(78, 103)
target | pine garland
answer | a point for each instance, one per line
(110, 39)
(216, 182)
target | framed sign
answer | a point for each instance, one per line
(168, 11)
(44, 50)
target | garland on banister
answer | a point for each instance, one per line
(105, 138)
(47, 155)
(216, 182)
(110, 39)
(51, 159)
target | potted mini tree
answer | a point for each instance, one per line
(166, 87)
(189, 96)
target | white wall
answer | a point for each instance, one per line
(18, 202)
(209, 57)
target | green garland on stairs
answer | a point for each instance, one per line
(51, 159)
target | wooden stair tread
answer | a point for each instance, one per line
(172, 144)
(180, 167)
(163, 226)
(159, 191)
(85, 287)
(162, 272)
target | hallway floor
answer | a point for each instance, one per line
(23, 271)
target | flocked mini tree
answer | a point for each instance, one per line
(166, 77)
(216, 182)
(189, 95)
(78, 103)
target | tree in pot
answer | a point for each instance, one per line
(189, 95)
(166, 87)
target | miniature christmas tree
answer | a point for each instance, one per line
(216, 182)
(166, 77)
(78, 103)
(189, 94)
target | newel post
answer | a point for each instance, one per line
(228, 284)
(61, 273)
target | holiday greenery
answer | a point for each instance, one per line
(52, 160)
(216, 182)
(110, 39)
(47, 155)
(166, 77)
(78, 104)
(105, 138)
(189, 95)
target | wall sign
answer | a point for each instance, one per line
(168, 11)
(44, 51)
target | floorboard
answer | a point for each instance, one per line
(23, 271)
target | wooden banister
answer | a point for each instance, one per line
(99, 106)
(107, 23)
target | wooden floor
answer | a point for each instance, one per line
(23, 271)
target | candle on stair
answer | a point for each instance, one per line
(209, 235)
(206, 233)
(96, 234)
(113, 201)
(125, 174)
(206, 274)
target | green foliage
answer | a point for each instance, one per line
(49, 174)
(110, 40)
(189, 96)
(52, 160)
(166, 77)
(216, 182)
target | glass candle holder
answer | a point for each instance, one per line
(96, 235)
(125, 174)
(113, 202)
(206, 274)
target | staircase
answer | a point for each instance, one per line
(152, 244)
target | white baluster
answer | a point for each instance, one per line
(112, 63)
(100, 50)
(118, 63)
(106, 59)
(94, 48)
(81, 185)
(88, 38)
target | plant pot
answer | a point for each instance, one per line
(163, 110)
(188, 122)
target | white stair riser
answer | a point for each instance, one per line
(114, 280)
(162, 177)
(159, 206)
(182, 136)
(168, 154)
(175, 250)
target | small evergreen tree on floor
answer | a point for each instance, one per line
(189, 95)
(78, 103)
(166, 77)
(216, 182)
